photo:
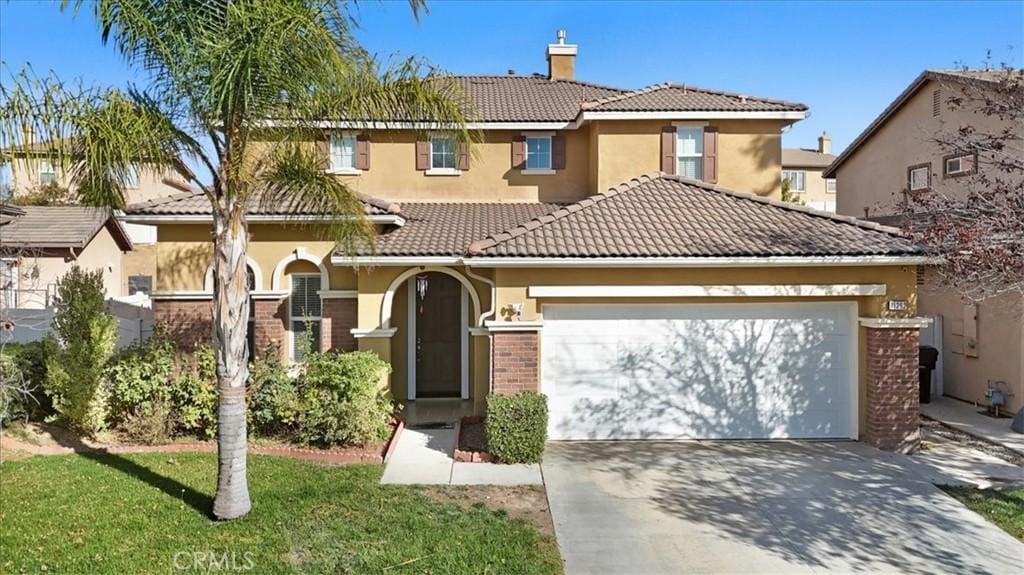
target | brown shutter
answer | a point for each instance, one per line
(363, 152)
(323, 150)
(558, 152)
(462, 157)
(668, 149)
(422, 155)
(711, 154)
(519, 153)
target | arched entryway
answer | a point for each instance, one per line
(437, 336)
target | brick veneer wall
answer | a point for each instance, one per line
(892, 388)
(269, 325)
(514, 356)
(338, 318)
(187, 322)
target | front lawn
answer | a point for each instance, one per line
(1004, 508)
(149, 513)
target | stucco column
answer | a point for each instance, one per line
(891, 370)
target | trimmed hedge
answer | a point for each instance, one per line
(517, 426)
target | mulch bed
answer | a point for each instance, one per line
(471, 446)
(53, 440)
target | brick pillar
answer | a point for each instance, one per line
(269, 325)
(514, 356)
(892, 388)
(339, 317)
(186, 322)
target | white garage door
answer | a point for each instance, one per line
(704, 371)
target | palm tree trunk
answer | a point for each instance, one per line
(230, 323)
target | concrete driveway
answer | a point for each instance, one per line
(750, 507)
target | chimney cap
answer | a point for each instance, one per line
(560, 35)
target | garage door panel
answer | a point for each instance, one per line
(716, 371)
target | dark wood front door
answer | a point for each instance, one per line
(438, 337)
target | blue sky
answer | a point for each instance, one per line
(846, 60)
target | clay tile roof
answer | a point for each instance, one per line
(194, 203)
(447, 228)
(668, 216)
(669, 97)
(804, 158)
(41, 227)
(529, 98)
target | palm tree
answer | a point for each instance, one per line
(236, 89)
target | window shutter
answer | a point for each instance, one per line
(711, 154)
(519, 153)
(362, 152)
(558, 152)
(422, 155)
(462, 157)
(668, 149)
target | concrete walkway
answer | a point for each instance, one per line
(965, 417)
(424, 457)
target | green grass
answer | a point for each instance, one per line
(1004, 508)
(140, 513)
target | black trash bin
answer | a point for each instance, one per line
(928, 356)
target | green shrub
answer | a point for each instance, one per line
(516, 427)
(76, 360)
(150, 425)
(273, 397)
(193, 393)
(342, 401)
(139, 377)
(22, 370)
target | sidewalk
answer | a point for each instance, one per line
(424, 457)
(965, 417)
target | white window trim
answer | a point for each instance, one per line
(538, 172)
(432, 171)
(960, 162)
(443, 172)
(292, 319)
(343, 170)
(51, 171)
(835, 186)
(792, 189)
(702, 126)
(927, 171)
(137, 170)
(550, 171)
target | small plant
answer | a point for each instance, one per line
(273, 397)
(150, 425)
(22, 370)
(193, 393)
(76, 360)
(342, 399)
(516, 427)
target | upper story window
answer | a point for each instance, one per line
(538, 152)
(131, 177)
(47, 175)
(830, 186)
(958, 165)
(690, 152)
(796, 179)
(919, 177)
(442, 153)
(343, 152)
(304, 313)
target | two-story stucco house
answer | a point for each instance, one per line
(979, 344)
(803, 169)
(622, 251)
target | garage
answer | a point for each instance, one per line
(700, 371)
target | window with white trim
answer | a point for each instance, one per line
(442, 153)
(343, 152)
(47, 174)
(830, 185)
(919, 178)
(131, 177)
(304, 313)
(690, 152)
(797, 180)
(959, 165)
(538, 152)
(9, 283)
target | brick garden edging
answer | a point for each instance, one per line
(327, 456)
(469, 456)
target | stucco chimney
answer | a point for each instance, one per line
(825, 143)
(562, 59)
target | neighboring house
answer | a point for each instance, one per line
(644, 306)
(803, 168)
(896, 152)
(39, 244)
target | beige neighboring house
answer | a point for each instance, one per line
(40, 244)
(979, 343)
(803, 167)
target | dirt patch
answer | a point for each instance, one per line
(471, 437)
(936, 432)
(526, 502)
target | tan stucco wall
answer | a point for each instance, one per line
(41, 271)
(25, 176)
